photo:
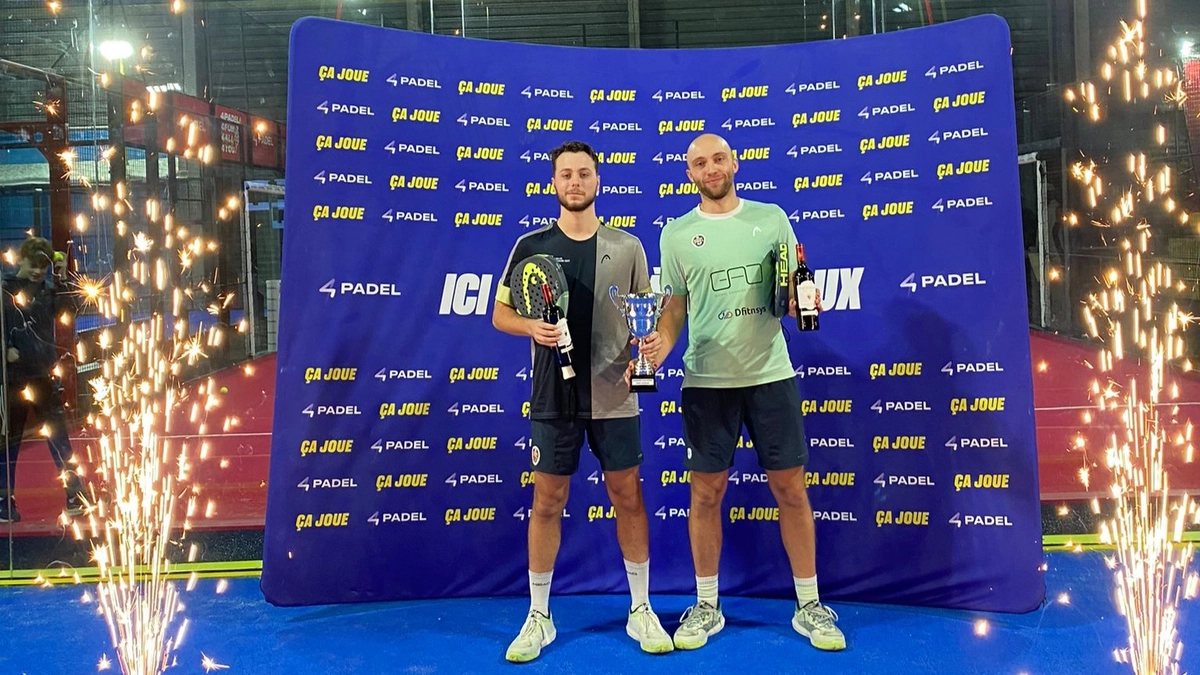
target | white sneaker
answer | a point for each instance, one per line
(537, 632)
(643, 626)
(699, 622)
(816, 622)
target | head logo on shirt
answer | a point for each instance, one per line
(698, 240)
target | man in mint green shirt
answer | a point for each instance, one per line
(717, 259)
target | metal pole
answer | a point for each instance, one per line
(251, 316)
(1043, 238)
(635, 24)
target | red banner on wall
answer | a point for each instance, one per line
(264, 146)
(188, 122)
(233, 135)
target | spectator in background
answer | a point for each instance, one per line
(33, 298)
(1029, 236)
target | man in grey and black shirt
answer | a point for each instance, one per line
(597, 402)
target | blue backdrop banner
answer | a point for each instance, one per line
(400, 458)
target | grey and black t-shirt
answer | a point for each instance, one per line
(599, 332)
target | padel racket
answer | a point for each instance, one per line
(779, 287)
(526, 281)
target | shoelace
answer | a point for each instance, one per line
(695, 616)
(645, 618)
(533, 624)
(822, 616)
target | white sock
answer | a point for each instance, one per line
(639, 582)
(706, 589)
(539, 591)
(806, 590)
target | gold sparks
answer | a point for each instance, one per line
(144, 502)
(1132, 314)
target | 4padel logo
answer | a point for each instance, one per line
(326, 483)
(314, 410)
(958, 134)
(953, 204)
(952, 280)
(343, 178)
(334, 288)
(972, 520)
(327, 107)
(380, 517)
(599, 126)
(879, 110)
(953, 68)
(459, 408)
(670, 157)
(456, 479)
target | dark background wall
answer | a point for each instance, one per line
(235, 52)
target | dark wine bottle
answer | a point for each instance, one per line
(554, 316)
(806, 294)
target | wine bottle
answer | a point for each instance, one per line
(554, 316)
(806, 294)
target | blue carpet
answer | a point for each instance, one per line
(48, 631)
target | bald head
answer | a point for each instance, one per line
(706, 145)
(711, 166)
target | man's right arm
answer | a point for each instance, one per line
(506, 320)
(670, 325)
(505, 317)
(659, 344)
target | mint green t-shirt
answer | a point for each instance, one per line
(724, 265)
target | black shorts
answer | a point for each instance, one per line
(713, 418)
(617, 443)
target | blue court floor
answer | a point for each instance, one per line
(49, 632)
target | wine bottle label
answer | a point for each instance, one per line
(564, 336)
(806, 297)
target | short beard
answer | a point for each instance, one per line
(577, 209)
(718, 194)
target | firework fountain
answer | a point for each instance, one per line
(1141, 328)
(148, 425)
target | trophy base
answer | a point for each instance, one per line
(643, 384)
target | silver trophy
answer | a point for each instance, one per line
(641, 312)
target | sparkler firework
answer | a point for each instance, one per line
(147, 497)
(150, 429)
(1133, 314)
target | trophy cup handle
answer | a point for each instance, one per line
(613, 294)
